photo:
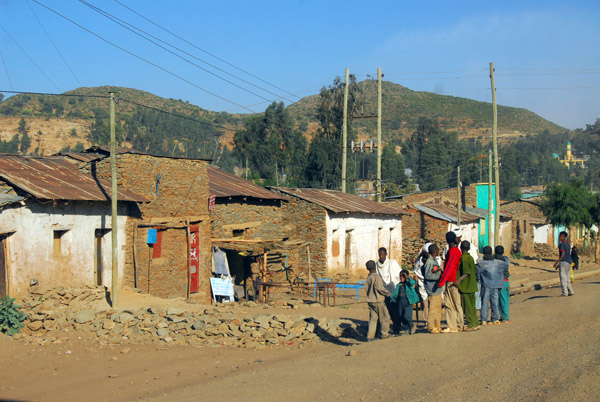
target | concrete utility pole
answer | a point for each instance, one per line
(490, 205)
(379, 144)
(458, 186)
(496, 155)
(113, 222)
(345, 132)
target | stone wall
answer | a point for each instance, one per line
(310, 227)
(249, 218)
(178, 194)
(522, 233)
(468, 197)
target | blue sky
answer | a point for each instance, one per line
(546, 53)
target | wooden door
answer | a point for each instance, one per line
(3, 270)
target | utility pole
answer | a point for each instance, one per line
(345, 132)
(458, 206)
(379, 144)
(490, 205)
(496, 155)
(113, 222)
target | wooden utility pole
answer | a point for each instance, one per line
(490, 205)
(458, 206)
(113, 222)
(379, 144)
(345, 133)
(496, 155)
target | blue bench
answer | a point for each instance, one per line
(358, 285)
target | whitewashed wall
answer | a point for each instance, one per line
(541, 233)
(30, 245)
(368, 234)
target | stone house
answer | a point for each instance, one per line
(429, 222)
(342, 231)
(55, 224)
(171, 239)
(531, 232)
(251, 224)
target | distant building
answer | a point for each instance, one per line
(571, 160)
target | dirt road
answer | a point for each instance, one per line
(551, 351)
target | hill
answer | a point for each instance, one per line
(402, 108)
(80, 119)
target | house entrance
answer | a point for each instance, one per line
(101, 247)
(3, 270)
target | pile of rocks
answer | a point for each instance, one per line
(545, 250)
(53, 312)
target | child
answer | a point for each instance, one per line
(452, 303)
(491, 274)
(419, 262)
(575, 257)
(405, 296)
(376, 294)
(505, 291)
(467, 286)
(432, 273)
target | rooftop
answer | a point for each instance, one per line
(338, 202)
(57, 178)
(446, 213)
(225, 184)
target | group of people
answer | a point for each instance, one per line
(454, 278)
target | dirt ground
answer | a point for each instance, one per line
(550, 351)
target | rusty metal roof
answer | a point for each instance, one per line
(83, 156)
(57, 178)
(338, 202)
(445, 212)
(225, 184)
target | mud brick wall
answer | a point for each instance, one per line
(419, 228)
(468, 197)
(237, 210)
(309, 222)
(182, 195)
(522, 213)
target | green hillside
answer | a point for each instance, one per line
(402, 108)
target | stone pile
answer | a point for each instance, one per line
(51, 313)
(545, 250)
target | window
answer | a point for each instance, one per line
(59, 245)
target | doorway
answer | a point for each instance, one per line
(3, 270)
(100, 246)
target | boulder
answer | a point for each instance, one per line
(84, 316)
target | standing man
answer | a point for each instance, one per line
(563, 264)
(389, 270)
(452, 300)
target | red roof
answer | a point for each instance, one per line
(336, 201)
(57, 178)
(225, 184)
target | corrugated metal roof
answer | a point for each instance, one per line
(445, 213)
(57, 178)
(83, 156)
(9, 199)
(225, 184)
(339, 202)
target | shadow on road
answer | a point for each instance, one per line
(537, 297)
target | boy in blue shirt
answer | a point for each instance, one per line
(405, 296)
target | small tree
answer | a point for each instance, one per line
(568, 204)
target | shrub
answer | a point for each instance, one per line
(11, 319)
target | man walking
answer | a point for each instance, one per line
(389, 270)
(563, 264)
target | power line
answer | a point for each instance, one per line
(29, 57)
(555, 73)
(123, 23)
(53, 44)
(203, 50)
(141, 58)
(6, 69)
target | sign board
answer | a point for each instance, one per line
(211, 202)
(222, 287)
(194, 258)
